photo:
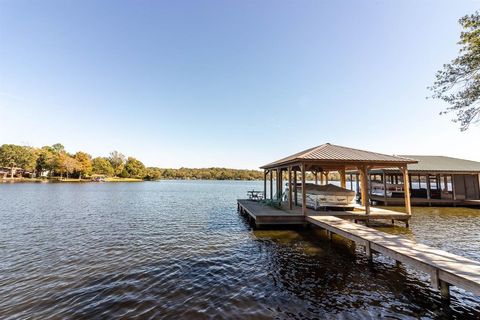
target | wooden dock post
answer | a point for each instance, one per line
(406, 189)
(445, 290)
(343, 179)
(368, 251)
(265, 184)
(271, 184)
(290, 202)
(304, 192)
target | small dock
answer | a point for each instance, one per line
(445, 269)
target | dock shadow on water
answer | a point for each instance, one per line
(178, 249)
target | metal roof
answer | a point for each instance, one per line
(441, 164)
(332, 153)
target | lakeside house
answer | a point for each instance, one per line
(433, 180)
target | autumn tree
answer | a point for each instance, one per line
(458, 83)
(84, 161)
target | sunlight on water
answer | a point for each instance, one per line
(179, 249)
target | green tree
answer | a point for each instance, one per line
(458, 83)
(152, 173)
(103, 166)
(135, 168)
(45, 160)
(117, 160)
(18, 156)
(84, 163)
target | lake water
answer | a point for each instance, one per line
(179, 249)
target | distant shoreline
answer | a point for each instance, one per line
(108, 180)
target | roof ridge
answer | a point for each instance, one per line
(306, 154)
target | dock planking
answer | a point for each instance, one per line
(444, 268)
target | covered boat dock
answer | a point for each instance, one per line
(434, 180)
(319, 162)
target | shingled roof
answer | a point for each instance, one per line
(332, 153)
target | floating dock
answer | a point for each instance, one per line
(445, 269)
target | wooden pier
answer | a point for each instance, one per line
(445, 269)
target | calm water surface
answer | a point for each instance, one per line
(178, 249)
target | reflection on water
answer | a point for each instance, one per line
(179, 249)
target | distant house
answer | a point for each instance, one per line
(434, 180)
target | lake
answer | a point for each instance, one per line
(179, 249)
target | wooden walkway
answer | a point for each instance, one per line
(445, 269)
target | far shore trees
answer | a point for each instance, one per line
(458, 83)
(55, 162)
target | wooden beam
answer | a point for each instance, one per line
(271, 184)
(384, 180)
(343, 179)
(278, 183)
(304, 192)
(406, 190)
(316, 177)
(364, 188)
(290, 203)
(265, 184)
(295, 186)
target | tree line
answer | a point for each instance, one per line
(54, 161)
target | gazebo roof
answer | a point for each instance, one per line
(331, 155)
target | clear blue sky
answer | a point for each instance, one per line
(228, 83)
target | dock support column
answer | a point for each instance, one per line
(384, 180)
(343, 179)
(316, 177)
(429, 188)
(406, 189)
(368, 251)
(279, 184)
(304, 192)
(445, 290)
(295, 186)
(364, 187)
(271, 184)
(290, 203)
(265, 172)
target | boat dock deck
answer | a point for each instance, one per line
(267, 215)
(444, 268)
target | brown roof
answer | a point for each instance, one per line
(332, 153)
(440, 164)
